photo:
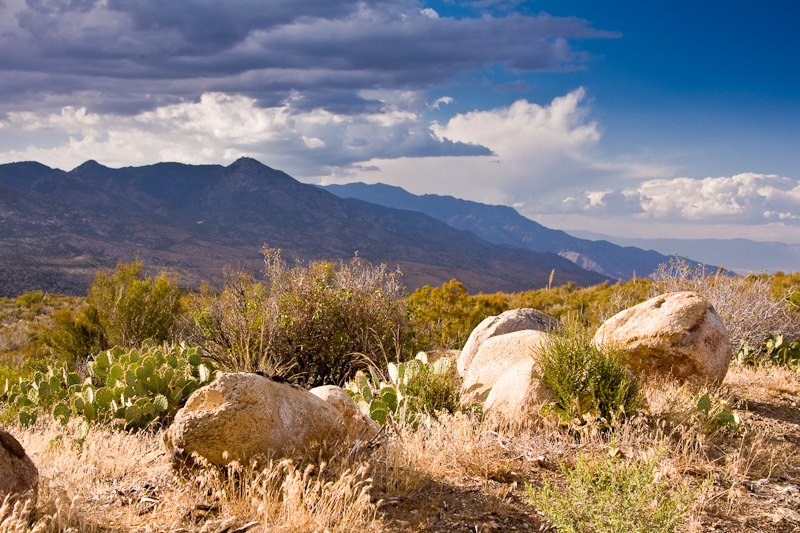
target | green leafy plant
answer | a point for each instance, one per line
(136, 388)
(775, 350)
(588, 381)
(714, 416)
(611, 495)
(415, 391)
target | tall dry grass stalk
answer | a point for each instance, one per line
(117, 481)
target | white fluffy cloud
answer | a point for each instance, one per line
(538, 151)
(753, 206)
(750, 197)
(218, 128)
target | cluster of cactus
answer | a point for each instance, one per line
(775, 350)
(135, 388)
(397, 398)
(719, 416)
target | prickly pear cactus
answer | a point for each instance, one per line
(391, 399)
(135, 388)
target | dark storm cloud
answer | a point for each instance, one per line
(101, 54)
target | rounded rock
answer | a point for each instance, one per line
(678, 334)
(507, 322)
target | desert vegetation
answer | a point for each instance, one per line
(91, 387)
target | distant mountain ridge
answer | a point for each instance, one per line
(743, 256)
(504, 225)
(57, 227)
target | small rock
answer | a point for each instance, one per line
(357, 423)
(516, 392)
(19, 477)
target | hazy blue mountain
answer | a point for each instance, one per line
(56, 227)
(743, 256)
(504, 225)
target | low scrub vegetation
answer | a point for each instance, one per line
(123, 308)
(608, 495)
(587, 381)
(415, 392)
(91, 386)
(314, 324)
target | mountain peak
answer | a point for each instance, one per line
(89, 166)
(246, 163)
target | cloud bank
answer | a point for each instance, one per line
(220, 128)
(743, 198)
(123, 57)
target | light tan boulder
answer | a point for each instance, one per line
(495, 356)
(507, 322)
(357, 424)
(516, 393)
(19, 477)
(247, 417)
(678, 333)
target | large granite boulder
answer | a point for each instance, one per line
(497, 355)
(678, 333)
(507, 322)
(247, 417)
(19, 477)
(517, 393)
(357, 424)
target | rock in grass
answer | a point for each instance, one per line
(678, 333)
(497, 355)
(19, 477)
(507, 322)
(516, 393)
(247, 417)
(357, 424)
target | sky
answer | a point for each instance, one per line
(636, 119)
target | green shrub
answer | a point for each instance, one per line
(75, 335)
(139, 388)
(608, 495)
(588, 305)
(132, 308)
(33, 301)
(123, 309)
(415, 392)
(586, 380)
(434, 386)
(314, 324)
(444, 317)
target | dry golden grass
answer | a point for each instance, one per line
(459, 474)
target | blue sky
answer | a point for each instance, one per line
(637, 119)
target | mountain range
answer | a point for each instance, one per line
(743, 256)
(57, 228)
(503, 225)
